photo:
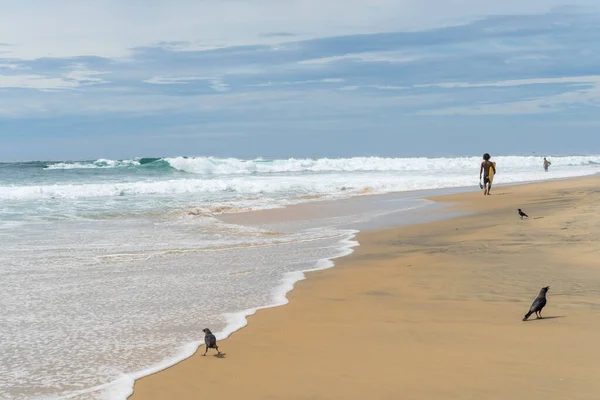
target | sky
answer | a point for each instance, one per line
(298, 78)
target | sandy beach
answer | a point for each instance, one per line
(430, 311)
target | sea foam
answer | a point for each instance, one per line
(291, 177)
(122, 387)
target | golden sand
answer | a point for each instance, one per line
(430, 311)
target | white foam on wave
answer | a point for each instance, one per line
(100, 163)
(332, 183)
(123, 387)
(230, 166)
(239, 320)
(234, 166)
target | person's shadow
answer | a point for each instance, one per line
(222, 355)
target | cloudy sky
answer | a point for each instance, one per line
(303, 78)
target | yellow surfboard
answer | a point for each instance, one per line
(491, 173)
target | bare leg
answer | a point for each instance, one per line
(205, 351)
(217, 347)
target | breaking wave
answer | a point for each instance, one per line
(235, 166)
(100, 163)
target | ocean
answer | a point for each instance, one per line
(110, 269)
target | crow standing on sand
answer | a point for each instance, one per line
(522, 214)
(538, 304)
(210, 341)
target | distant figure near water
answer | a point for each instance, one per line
(546, 164)
(488, 169)
(538, 304)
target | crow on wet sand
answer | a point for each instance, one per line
(210, 341)
(538, 304)
(522, 214)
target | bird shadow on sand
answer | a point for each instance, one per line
(541, 319)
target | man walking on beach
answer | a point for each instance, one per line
(546, 164)
(486, 164)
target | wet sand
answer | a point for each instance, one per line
(430, 311)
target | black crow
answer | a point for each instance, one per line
(538, 304)
(210, 341)
(522, 214)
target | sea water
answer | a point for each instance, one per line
(110, 269)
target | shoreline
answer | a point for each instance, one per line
(460, 200)
(124, 387)
(239, 320)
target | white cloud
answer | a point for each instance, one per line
(218, 85)
(78, 75)
(383, 56)
(389, 87)
(85, 76)
(527, 58)
(589, 96)
(103, 102)
(35, 82)
(13, 67)
(589, 79)
(515, 108)
(215, 83)
(379, 87)
(268, 103)
(328, 60)
(161, 80)
(111, 28)
(326, 80)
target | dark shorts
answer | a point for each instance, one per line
(486, 180)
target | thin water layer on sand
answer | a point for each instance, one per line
(90, 303)
(360, 212)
